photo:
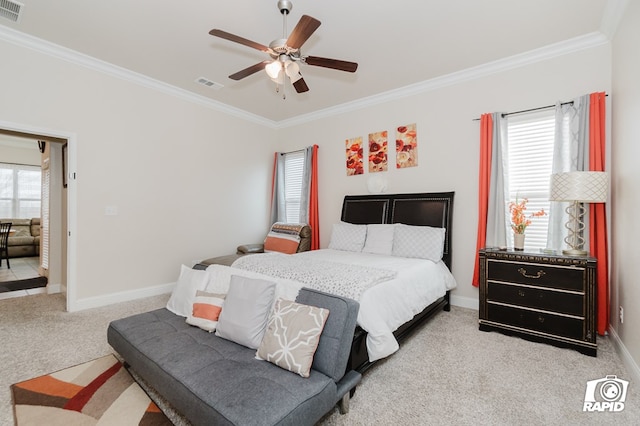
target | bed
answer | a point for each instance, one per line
(397, 294)
(420, 209)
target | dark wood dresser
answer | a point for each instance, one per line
(541, 297)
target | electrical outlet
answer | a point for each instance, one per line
(621, 315)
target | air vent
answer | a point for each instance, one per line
(207, 82)
(10, 10)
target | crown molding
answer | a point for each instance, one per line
(612, 14)
(42, 46)
(586, 41)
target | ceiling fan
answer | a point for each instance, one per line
(285, 52)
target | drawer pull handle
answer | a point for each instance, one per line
(540, 319)
(521, 293)
(523, 272)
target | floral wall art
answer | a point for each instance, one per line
(354, 156)
(378, 152)
(406, 146)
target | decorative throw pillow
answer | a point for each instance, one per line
(348, 237)
(379, 239)
(292, 336)
(190, 281)
(284, 243)
(206, 310)
(246, 311)
(424, 242)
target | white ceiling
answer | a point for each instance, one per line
(396, 43)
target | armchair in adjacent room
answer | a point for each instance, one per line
(287, 238)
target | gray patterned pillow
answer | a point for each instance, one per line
(292, 336)
(347, 236)
(424, 242)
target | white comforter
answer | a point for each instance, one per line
(384, 306)
(387, 305)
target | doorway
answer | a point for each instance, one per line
(33, 268)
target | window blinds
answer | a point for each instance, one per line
(530, 154)
(293, 174)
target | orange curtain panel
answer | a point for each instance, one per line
(484, 179)
(314, 217)
(597, 212)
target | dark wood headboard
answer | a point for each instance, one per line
(425, 209)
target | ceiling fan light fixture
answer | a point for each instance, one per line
(273, 69)
(293, 71)
(279, 79)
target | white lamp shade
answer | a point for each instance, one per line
(584, 187)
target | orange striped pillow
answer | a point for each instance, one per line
(206, 310)
(284, 243)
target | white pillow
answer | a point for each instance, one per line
(206, 310)
(424, 242)
(347, 236)
(246, 311)
(379, 239)
(184, 293)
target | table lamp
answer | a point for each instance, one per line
(578, 188)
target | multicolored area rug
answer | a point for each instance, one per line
(96, 392)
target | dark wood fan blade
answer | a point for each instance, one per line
(301, 86)
(303, 30)
(331, 63)
(237, 39)
(248, 71)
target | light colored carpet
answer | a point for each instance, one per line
(447, 373)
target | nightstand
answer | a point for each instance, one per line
(541, 297)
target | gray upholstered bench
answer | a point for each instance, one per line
(211, 380)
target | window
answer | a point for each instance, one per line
(293, 176)
(20, 191)
(530, 155)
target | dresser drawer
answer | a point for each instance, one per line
(561, 277)
(538, 321)
(539, 298)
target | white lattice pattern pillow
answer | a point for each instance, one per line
(424, 242)
(347, 236)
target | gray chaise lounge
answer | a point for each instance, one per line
(213, 381)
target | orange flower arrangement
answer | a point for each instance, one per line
(519, 219)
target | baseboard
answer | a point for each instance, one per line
(54, 288)
(627, 359)
(465, 302)
(123, 296)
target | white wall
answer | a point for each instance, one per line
(189, 182)
(625, 290)
(448, 140)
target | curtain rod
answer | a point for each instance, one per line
(532, 109)
(291, 152)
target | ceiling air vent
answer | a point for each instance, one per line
(10, 10)
(207, 82)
